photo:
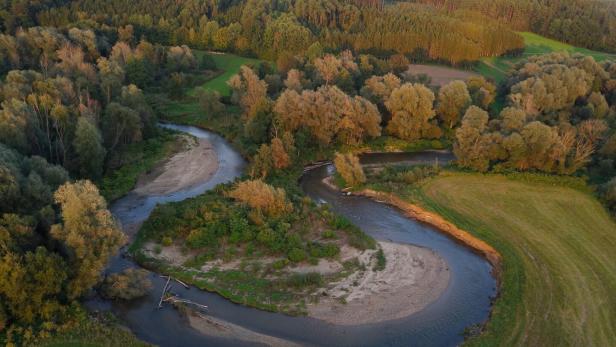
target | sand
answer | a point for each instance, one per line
(413, 278)
(192, 166)
(211, 326)
(440, 75)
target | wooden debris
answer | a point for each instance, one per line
(162, 296)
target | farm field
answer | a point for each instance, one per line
(497, 67)
(557, 243)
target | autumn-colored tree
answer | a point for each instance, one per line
(329, 68)
(249, 91)
(512, 119)
(378, 88)
(329, 114)
(471, 145)
(411, 107)
(482, 91)
(349, 168)
(453, 100)
(88, 232)
(280, 157)
(260, 196)
(111, 76)
(294, 80)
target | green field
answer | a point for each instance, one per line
(229, 64)
(497, 67)
(558, 246)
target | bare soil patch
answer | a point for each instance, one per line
(440, 75)
(197, 163)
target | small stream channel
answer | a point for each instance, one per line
(465, 302)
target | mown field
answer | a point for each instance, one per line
(497, 67)
(229, 65)
(558, 245)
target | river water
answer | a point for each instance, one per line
(465, 302)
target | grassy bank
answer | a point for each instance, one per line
(497, 67)
(557, 244)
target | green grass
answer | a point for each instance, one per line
(90, 332)
(134, 160)
(229, 64)
(497, 67)
(558, 246)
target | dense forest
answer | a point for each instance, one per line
(585, 23)
(78, 80)
(279, 29)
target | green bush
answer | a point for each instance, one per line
(280, 264)
(167, 241)
(297, 255)
(305, 280)
(329, 234)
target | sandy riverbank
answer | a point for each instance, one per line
(413, 278)
(211, 326)
(197, 163)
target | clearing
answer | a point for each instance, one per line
(497, 67)
(229, 64)
(558, 246)
(440, 75)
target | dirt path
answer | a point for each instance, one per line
(196, 164)
(413, 278)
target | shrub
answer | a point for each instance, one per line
(167, 241)
(329, 234)
(127, 285)
(297, 255)
(381, 261)
(305, 280)
(280, 264)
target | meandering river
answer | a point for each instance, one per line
(465, 302)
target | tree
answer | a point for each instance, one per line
(262, 197)
(377, 89)
(88, 232)
(127, 285)
(121, 125)
(512, 119)
(411, 107)
(249, 91)
(329, 68)
(210, 102)
(349, 168)
(453, 100)
(294, 80)
(482, 91)
(280, 157)
(89, 149)
(471, 146)
(32, 284)
(111, 75)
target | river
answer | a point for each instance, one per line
(465, 302)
